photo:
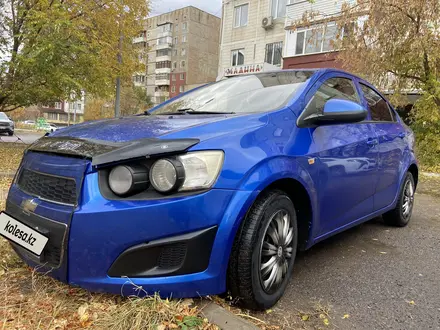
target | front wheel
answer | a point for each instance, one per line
(264, 251)
(401, 214)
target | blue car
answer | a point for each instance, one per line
(214, 190)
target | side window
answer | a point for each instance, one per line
(379, 109)
(333, 88)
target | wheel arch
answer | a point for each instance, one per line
(414, 170)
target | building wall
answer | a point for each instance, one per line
(313, 61)
(177, 84)
(200, 55)
(295, 12)
(253, 38)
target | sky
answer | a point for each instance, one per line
(162, 6)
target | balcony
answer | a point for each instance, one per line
(162, 70)
(295, 11)
(163, 58)
(161, 93)
(164, 34)
(164, 46)
(162, 82)
(139, 39)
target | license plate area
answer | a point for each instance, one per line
(22, 235)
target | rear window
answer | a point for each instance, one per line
(252, 93)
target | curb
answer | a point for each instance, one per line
(224, 319)
(433, 175)
(8, 174)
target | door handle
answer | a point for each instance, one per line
(372, 142)
(402, 135)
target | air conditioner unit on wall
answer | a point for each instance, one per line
(267, 22)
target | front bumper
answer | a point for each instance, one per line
(102, 231)
(6, 129)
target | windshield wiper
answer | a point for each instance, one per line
(194, 112)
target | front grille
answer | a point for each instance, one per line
(4, 124)
(48, 187)
(172, 256)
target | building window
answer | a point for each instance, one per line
(175, 52)
(174, 77)
(162, 52)
(57, 105)
(183, 51)
(173, 89)
(163, 40)
(174, 65)
(80, 105)
(182, 64)
(241, 15)
(237, 57)
(278, 8)
(165, 28)
(184, 38)
(163, 76)
(176, 40)
(182, 76)
(52, 116)
(176, 28)
(316, 39)
(63, 116)
(274, 53)
(163, 64)
(181, 90)
(184, 26)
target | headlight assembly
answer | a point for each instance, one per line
(128, 180)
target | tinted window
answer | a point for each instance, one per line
(334, 88)
(379, 108)
(251, 93)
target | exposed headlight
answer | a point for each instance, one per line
(167, 175)
(127, 180)
(201, 169)
(193, 171)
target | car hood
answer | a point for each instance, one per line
(141, 127)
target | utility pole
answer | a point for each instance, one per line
(118, 81)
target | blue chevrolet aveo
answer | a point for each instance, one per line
(214, 190)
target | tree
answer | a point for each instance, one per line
(53, 49)
(393, 43)
(133, 100)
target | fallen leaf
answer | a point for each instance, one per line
(381, 252)
(346, 316)
(326, 321)
(412, 302)
(268, 311)
(305, 317)
(375, 239)
(161, 327)
(82, 309)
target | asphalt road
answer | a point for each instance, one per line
(378, 277)
(27, 137)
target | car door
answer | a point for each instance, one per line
(345, 156)
(391, 135)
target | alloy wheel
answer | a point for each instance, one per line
(408, 199)
(276, 251)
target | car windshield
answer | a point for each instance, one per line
(3, 116)
(251, 93)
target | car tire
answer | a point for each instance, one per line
(401, 214)
(250, 284)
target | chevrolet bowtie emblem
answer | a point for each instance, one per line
(29, 205)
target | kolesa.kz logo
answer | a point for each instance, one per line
(20, 234)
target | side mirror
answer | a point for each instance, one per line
(337, 111)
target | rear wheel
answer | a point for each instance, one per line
(264, 252)
(401, 215)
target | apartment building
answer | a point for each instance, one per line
(252, 38)
(181, 52)
(310, 45)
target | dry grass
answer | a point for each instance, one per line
(10, 155)
(29, 300)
